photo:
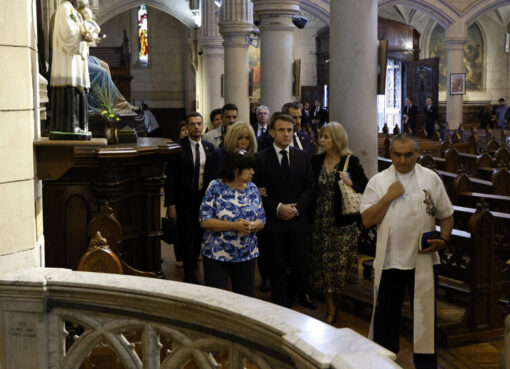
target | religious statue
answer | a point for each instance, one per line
(69, 80)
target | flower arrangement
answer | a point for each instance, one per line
(110, 127)
(109, 115)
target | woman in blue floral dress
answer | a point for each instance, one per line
(232, 214)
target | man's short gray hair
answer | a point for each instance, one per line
(404, 137)
(262, 107)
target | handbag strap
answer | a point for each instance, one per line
(346, 165)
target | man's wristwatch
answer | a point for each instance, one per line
(446, 242)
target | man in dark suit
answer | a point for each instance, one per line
(319, 114)
(188, 175)
(430, 118)
(306, 115)
(410, 112)
(300, 139)
(285, 175)
(261, 127)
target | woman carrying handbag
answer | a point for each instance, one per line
(335, 231)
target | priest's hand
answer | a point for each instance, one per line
(395, 190)
(436, 244)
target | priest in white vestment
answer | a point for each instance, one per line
(405, 201)
(69, 70)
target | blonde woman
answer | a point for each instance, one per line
(240, 135)
(334, 236)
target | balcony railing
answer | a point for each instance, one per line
(62, 319)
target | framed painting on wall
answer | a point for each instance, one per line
(457, 83)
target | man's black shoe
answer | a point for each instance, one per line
(264, 285)
(306, 301)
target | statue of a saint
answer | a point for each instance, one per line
(69, 80)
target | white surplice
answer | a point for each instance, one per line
(69, 65)
(398, 237)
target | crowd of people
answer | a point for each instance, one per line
(262, 192)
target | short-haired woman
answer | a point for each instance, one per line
(334, 235)
(232, 214)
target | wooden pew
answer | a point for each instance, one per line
(462, 216)
(471, 266)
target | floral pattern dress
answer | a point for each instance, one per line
(334, 257)
(226, 203)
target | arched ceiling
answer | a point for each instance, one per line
(179, 9)
(442, 11)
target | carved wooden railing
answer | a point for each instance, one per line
(62, 319)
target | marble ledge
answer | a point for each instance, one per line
(301, 335)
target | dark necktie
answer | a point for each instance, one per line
(196, 169)
(284, 166)
(262, 131)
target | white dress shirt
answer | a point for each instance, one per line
(279, 155)
(297, 139)
(202, 160)
(261, 129)
(403, 235)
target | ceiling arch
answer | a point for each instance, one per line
(482, 8)
(176, 8)
(438, 10)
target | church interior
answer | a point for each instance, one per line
(96, 204)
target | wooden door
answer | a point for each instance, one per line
(422, 82)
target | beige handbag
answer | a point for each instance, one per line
(350, 198)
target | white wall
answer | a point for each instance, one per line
(162, 83)
(304, 49)
(18, 124)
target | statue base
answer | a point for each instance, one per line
(70, 136)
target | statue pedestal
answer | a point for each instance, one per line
(78, 177)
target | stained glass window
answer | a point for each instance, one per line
(143, 34)
(389, 105)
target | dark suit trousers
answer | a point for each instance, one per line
(394, 283)
(287, 259)
(429, 126)
(190, 233)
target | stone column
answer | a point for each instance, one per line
(353, 76)
(276, 50)
(456, 37)
(211, 46)
(236, 26)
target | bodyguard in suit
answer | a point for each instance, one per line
(410, 112)
(285, 173)
(430, 118)
(300, 139)
(188, 175)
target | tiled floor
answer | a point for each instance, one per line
(475, 355)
